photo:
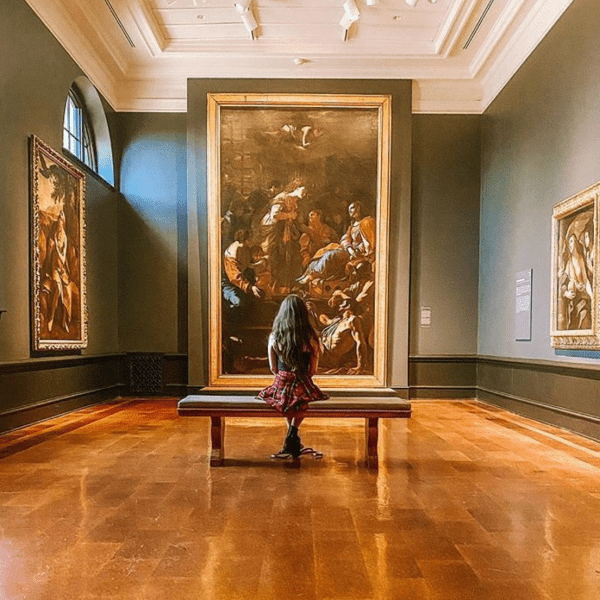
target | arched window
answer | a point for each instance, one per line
(78, 137)
(85, 129)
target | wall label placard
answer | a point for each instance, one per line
(523, 306)
(425, 316)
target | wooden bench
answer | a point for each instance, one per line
(371, 409)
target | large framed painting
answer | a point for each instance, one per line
(58, 295)
(298, 203)
(575, 317)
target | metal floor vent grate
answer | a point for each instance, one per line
(146, 373)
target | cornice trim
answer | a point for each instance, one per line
(499, 29)
(523, 43)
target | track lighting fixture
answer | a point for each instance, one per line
(242, 5)
(243, 8)
(351, 15)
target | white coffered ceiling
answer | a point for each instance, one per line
(459, 53)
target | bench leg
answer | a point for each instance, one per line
(371, 437)
(217, 438)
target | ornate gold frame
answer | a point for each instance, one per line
(46, 165)
(584, 203)
(216, 102)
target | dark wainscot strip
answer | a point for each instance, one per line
(442, 377)
(561, 394)
(38, 389)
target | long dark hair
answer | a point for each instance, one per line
(293, 334)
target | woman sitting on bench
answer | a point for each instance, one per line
(293, 357)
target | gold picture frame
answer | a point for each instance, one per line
(294, 181)
(575, 319)
(58, 275)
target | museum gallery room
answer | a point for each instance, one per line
(298, 299)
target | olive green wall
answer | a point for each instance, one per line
(537, 143)
(399, 248)
(445, 233)
(35, 76)
(152, 232)
(34, 82)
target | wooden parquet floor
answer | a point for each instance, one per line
(470, 502)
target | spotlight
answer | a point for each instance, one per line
(242, 5)
(243, 9)
(412, 3)
(249, 22)
(351, 10)
(351, 15)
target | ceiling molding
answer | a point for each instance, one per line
(453, 26)
(153, 75)
(71, 37)
(148, 28)
(446, 97)
(500, 27)
(529, 34)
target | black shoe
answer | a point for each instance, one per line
(292, 444)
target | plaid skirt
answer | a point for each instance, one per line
(291, 392)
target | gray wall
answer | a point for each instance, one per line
(445, 233)
(540, 145)
(152, 232)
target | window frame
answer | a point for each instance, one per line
(79, 140)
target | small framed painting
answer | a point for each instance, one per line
(575, 318)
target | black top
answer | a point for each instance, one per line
(304, 367)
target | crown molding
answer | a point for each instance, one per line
(501, 26)
(442, 83)
(148, 28)
(76, 36)
(452, 28)
(446, 96)
(529, 34)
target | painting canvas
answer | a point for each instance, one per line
(59, 317)
(575, 318)
(298, 203)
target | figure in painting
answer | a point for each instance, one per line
(359, 240)
(281, 237)
(575, 287)
(58, 252)
(356, 245)
(240, 281)
(343, 339)
(57, 283)
(317, 235)
(590, 253)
